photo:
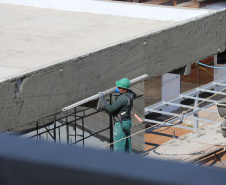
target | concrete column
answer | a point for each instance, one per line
(170, 88)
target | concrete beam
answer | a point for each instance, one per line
(46, 91)
(183, 70)
(31, 162)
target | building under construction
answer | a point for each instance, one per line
(55, 58)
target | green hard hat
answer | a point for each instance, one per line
(123, 83)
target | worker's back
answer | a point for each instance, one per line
(126, 100)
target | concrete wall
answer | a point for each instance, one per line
(46, 91)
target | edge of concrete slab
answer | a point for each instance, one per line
(135, 10)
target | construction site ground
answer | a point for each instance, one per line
(189, 145)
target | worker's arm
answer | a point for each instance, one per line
(118, 103)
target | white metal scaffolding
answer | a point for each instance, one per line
(194, 95)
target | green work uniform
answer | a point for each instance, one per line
(122, 104)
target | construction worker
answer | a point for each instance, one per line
(120, 110)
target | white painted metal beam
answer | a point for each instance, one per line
(211, 91)
(189, 107)
(174, 114)
(220, 84)
(168, 123)
(201, 99)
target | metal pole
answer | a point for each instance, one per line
(48, 131)
(75, 125)
(54, 129)
(196, 114)
(37, 129)
(199, 74)
(47, 134)
(109, 91)
(83, 129)
(111, 127)
(67, 129)
(59, 135)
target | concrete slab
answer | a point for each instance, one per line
(126, 9)
(9, 71)
(190, 145)
(35, 37)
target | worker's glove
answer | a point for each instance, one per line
(102, 99)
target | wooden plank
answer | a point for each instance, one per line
(156, 2)
(208, 151)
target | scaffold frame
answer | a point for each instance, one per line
(212, 87)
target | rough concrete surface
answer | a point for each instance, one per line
(46, 91)
(191, 145)
(35, 37)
